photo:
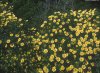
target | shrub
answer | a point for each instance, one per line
(68, 42)
(15, 36)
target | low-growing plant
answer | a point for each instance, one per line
(15, 42)
(65, 43)
(68, 42)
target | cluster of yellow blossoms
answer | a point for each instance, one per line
(6, 15)
(68, 42)
(65, 43)
(15, 37)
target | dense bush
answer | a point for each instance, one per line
(15, 36)
(37, 10)
(67, 42)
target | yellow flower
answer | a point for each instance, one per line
(89, 57)
(51, 34)
(43, 37)
(40, 70)
(70, 35)
(49, 17)
(16, 35)
(65, 15)
(67, 61)
(91, 40)
(95, 51)
(46, 34)
(45, 69)
(79, 43)
(86, 36)
(55, 50)
(74, 13)
(6, 45)
(11, 34)
(89, 68)
(58, 20)
(60, 31)
(86, 49)
(70, 68)
(39, 58)
(58, 59)
(80, 70)
(73, 39)
(63, 40)
(69, 45)
(46, 41)
(74, 52)
(45, 51)
(0, 41)
(54, 21)
(82, 53)
(70, 50)
(81, 59)
(75, 19)
(62, 61)
(83, 67)
(60, 48)
(63, 29)
(53, 45)
(56, 40)
(92, 64)
(57, 23)
(66, 33)
(52, 41)
(79, 11)
(54, 69)
(11, 45)
(51, 59)
(45, 22)
(62, 68)
(68, 20)
(82, 49)
(8, 41)
(19, 19)
(55, 17)
(60, 26)
(65, 55)
(91, 51)
(63, 23)
(9, 17)
(22, 60)
(75, 70)
(42, 25)
(97, 42)
(19, 39)
(22, 44)
(97, 17)
(74, 56)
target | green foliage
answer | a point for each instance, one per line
(25, 49)
(15, 39)
(37, 10)
(62, 42)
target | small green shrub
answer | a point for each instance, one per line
(15, 38)
(68, 42)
